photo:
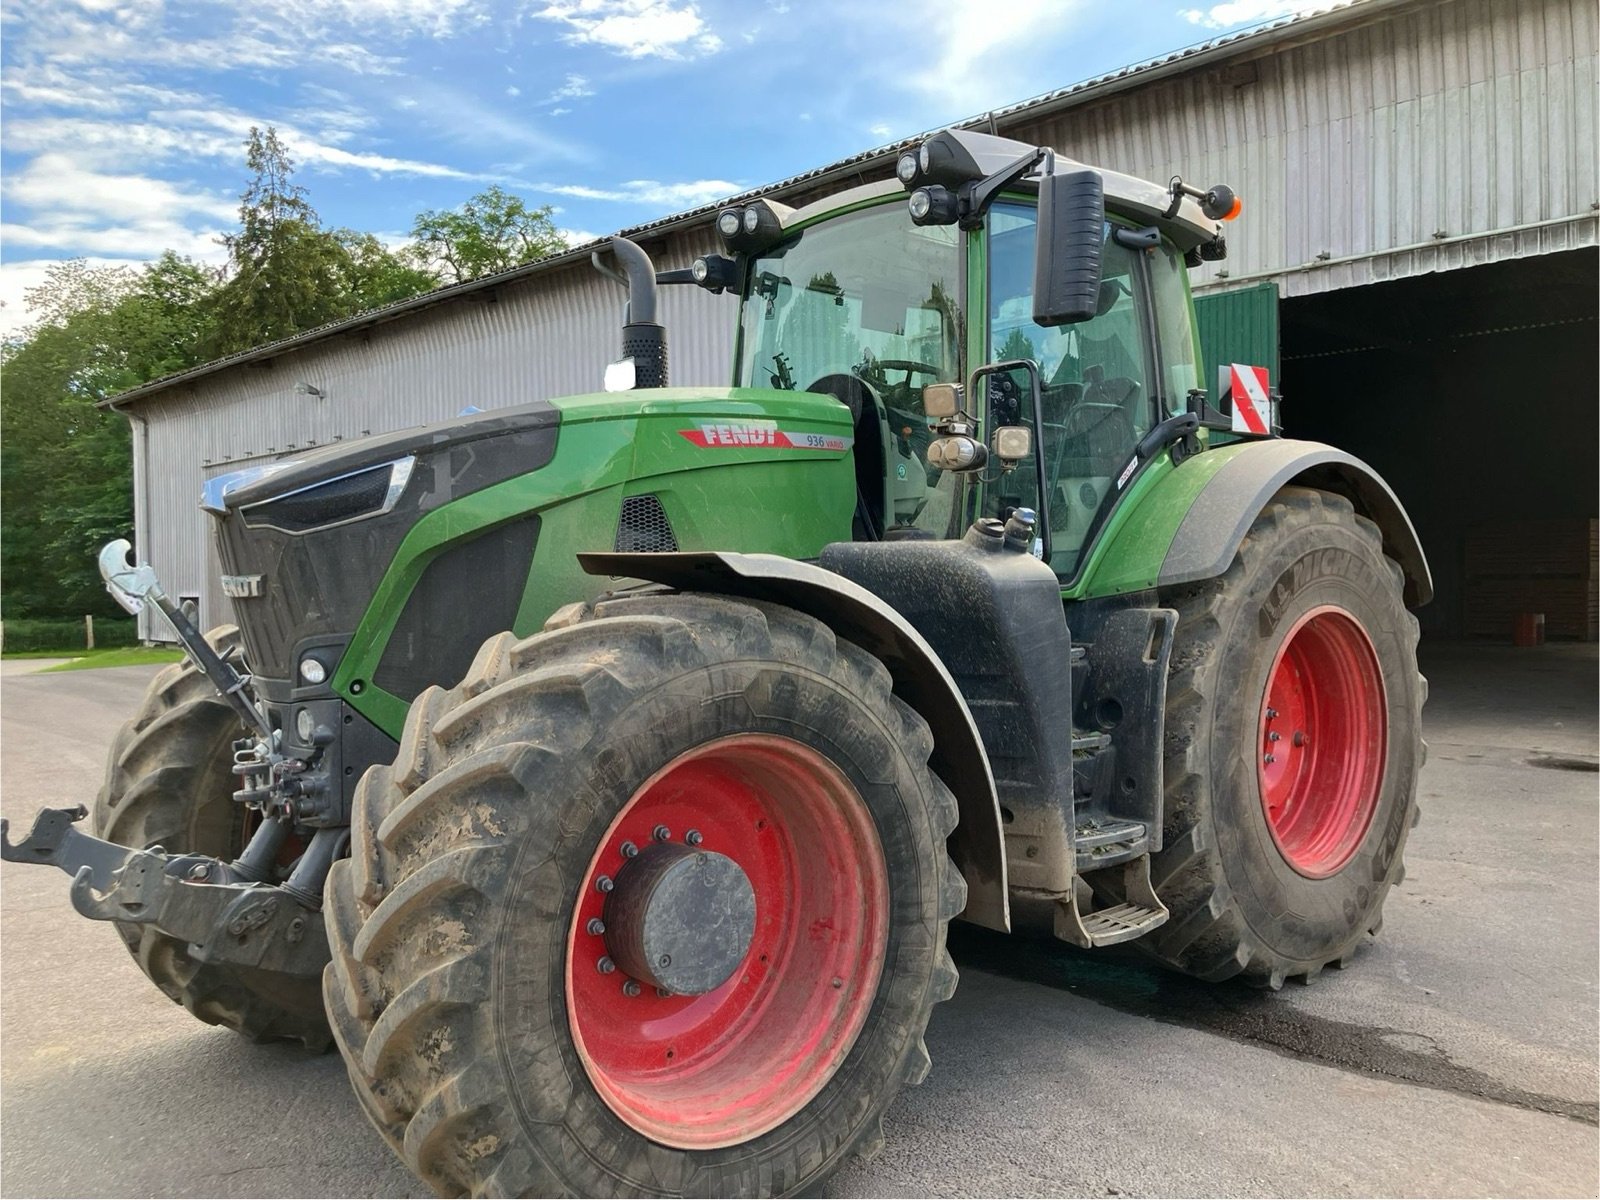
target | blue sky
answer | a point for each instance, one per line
(123, 119)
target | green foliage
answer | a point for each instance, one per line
(66, 475)
(490, 232)
(66, 478)
(32, 636)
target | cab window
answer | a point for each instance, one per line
(1097, 397)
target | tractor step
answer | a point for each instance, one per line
(1135, 913)
(1108, 841)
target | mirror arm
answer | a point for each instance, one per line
(1037, 390)
(977, 197)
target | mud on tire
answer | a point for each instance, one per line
(169, 783)
(449, 922)
(1238, 907)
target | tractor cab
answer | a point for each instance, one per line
(856, 298)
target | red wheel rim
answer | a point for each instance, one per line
(1323, 740)
(717, 1069)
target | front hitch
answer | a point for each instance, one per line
(222, 916)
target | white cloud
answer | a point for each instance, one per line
(58, 185)
(513, 91)
(635, 28)
(690, 194)
(575, 88)
(880, 131)
(577, 237)
(967, 33)
(1248, 12)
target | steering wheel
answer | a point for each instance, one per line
(909, 366)
(1093, 411)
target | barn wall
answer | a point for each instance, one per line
(1447, 135)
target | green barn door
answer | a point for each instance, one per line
(1238, 326)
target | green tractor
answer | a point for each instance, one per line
(601, 775)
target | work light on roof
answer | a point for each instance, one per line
(728, 222)
(906, 169)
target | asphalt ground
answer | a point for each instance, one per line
(1457, 1055)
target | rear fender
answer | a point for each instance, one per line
(1189, 525)
(920, 679)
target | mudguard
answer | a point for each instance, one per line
(921, 680)
(1189, 524)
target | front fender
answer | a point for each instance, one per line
(920, 679)
(1188, 525)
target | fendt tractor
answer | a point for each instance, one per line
(601, 775)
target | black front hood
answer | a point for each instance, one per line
(307, 544)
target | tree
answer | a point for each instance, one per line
(285, 270)
(491, 232)
(1017, 345)
(373, 275)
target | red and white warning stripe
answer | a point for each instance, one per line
(1252, 410)
(746, 434)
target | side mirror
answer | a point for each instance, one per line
(1066, 262)
(1013, 443)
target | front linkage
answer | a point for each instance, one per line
(226, 912)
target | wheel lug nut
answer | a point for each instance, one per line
(629, 849)
(662, 992)
(605, 966)
(596, 926)
(1274, 736)
(1272, 714)
(603, 884)
(1269, 759)
(661, 833)
(630, 988)
(693, 837)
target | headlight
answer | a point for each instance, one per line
(752, 220)
(728, 223)
(699, 270)
(304, 726)
(921, 204)
(906, 169)
(312, 671)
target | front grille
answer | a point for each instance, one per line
(346, 499)
(644, 528)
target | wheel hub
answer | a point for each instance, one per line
(680, 919)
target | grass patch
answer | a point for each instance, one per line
(126, 656)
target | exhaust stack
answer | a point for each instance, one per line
(644, 339)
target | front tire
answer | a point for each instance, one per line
(169, 783)
(1293, 742)
(477, 991)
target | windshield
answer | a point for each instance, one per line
(867, 294)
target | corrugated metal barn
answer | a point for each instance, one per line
(1420, 182)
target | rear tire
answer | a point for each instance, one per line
(169, 783)
(461, 923)
(1278, 869)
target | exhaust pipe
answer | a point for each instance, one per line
(644, 339)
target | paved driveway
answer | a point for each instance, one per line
(1456, 1057)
